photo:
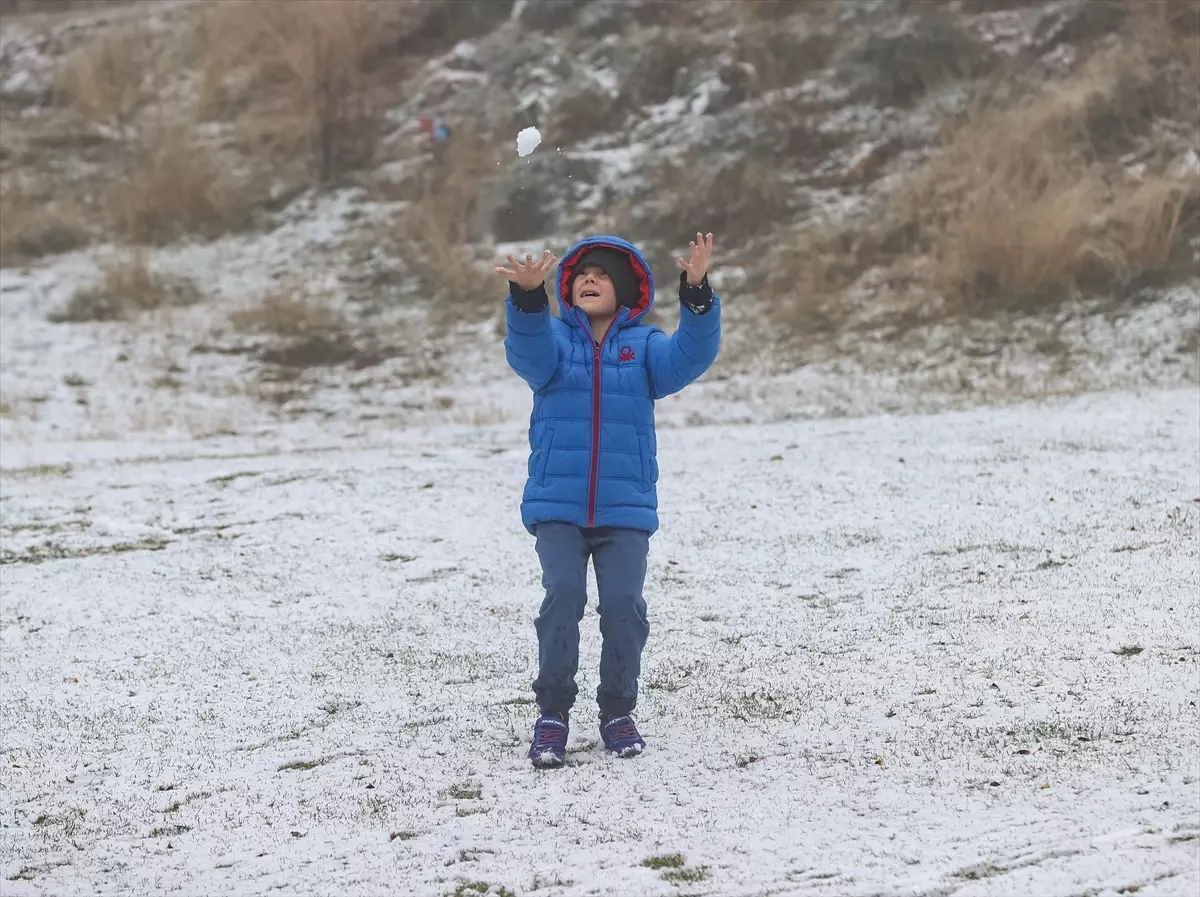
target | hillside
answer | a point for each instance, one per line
(221, 213)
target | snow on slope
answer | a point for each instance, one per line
(952, 654)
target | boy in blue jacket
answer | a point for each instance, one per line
(595, 373)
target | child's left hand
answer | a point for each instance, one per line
(697, 268)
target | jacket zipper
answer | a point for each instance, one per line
(595, 469)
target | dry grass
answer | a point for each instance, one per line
(112, 77)
(930, 49)
(37, 219)
(1027, 204)
(309, 61)
(433, 230)
(18, 7)
(778, 56)
(292, 314)
(173, 187)
(741, 199)
(127, 286)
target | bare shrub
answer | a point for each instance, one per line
(173, 187)
(37, 220)
(127, 286)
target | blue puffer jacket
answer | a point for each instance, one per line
(593, 450)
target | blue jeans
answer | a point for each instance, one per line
(619, 558)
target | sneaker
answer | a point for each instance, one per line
(549, 748)
(621, 736)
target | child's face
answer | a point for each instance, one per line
(593, 292)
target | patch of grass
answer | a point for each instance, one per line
(757, 705)
(304, 764)
(169, 831)
(1129, 651)
(470, 811)
(698, 873)
(465, 792)
(50, 551)
(403, 836)
(391, 557)
(40, 219)
(664, 861)
(177, 805)
(127, 286)
(289, 313)
(671, 678)
(40, 470)
(472, 888)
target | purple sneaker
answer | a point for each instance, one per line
(621, 736)
(549, 748)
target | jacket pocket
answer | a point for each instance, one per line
(543, 457)
(647, 458)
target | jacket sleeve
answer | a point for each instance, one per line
(676, 361)
(529, 343)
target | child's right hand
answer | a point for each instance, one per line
(531, 275)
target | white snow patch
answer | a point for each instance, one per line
(914, 639)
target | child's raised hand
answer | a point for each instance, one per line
(698, 266)
(531, 274)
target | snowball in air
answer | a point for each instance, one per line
(527, 141)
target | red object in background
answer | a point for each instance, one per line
(426, 124)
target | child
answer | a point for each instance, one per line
(595, 373)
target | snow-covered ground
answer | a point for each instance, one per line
(943, 654)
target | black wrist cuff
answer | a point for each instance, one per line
(529, 301)
(698, 299)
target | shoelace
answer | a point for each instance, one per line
(548, 736)
(623, 732)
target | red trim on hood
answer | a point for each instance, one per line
(639, 271)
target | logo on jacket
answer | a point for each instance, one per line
(626, 354)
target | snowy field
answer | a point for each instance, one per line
(950, 654)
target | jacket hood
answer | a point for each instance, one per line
(641, 271)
